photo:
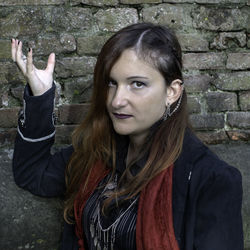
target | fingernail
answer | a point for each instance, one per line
(19, 42)
(29, 49)
(11, 40)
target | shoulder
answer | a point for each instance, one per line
(206, 167)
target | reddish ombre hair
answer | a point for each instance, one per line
(94, 139)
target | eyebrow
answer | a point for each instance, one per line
(141, 77)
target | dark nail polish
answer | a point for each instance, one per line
(11, 40)
(18, 42)
(29, 49)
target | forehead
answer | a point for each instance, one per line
(130, 64)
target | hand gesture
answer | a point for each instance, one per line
(39, 80)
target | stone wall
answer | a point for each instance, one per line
(215, 38)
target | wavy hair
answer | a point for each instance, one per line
(94, 139)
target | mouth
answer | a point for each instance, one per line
(121, 116)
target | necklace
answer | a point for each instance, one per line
(104, 238)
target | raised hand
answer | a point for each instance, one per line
(39, 80)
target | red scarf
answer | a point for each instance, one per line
(154, 225)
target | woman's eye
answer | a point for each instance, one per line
(111, 83)
(138, 85)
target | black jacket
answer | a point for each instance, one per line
(207, 192)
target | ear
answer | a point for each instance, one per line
(174, 91)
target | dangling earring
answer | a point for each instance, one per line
(167, 112)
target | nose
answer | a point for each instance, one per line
(120, 97)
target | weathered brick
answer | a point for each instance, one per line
(204, 60)
(78, 90)
(5, 49)
(238, 61)
(139, 1)
(212, 137)
(9, 73)
(63, 134)
(175, 16)
(221, 101)
(233, 81)
(72, 113)
(221, 19)
(7, 137)
(239, 119)
(197, 83)
(8, 117)
(14, 21)
(31, 2)
(17, 92)
(239, 135)
(45, 46)
(225, 40)
(245, 100)
(90, 44)
(100, 2)
(193, 42)
(75, 19)
(75, 66)
(194, 104)
(207, 121)
(114, 19)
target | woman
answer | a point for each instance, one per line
(136, 177)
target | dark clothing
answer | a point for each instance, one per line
(207, 192)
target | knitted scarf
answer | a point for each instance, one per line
(154, 226)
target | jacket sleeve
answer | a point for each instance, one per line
(34, 167)
(218, 224)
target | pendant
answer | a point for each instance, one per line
(92, 230)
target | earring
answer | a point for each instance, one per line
(167, 112)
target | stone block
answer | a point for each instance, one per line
(78, 90)
(17, 92)
(194, 104)
(7, 137)
(90, 44)
(221, 101)
(225, 40)
(72, 113)
(5, 49)
(139, 1)
(175, 16)
(197, 83)
(113, 19)
(239, 119)
(19, 22)
(244, 98)
(100, 2)
(233, 81)
(75, 66)
(73, 20)
(209, 60)
(239, 135)
(212, 137)
(10, 74)
(207, 121)
(45, 46)
(237, 61)
(63, 134)
(193, 42)
(31, 2)
(8, 117)
(220, 19)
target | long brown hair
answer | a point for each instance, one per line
(94, 139)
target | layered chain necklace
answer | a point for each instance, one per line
(104, 238)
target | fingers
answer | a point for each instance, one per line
(29, 66)
(13, 49)
(51, 63)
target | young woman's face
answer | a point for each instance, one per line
(137, 95)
